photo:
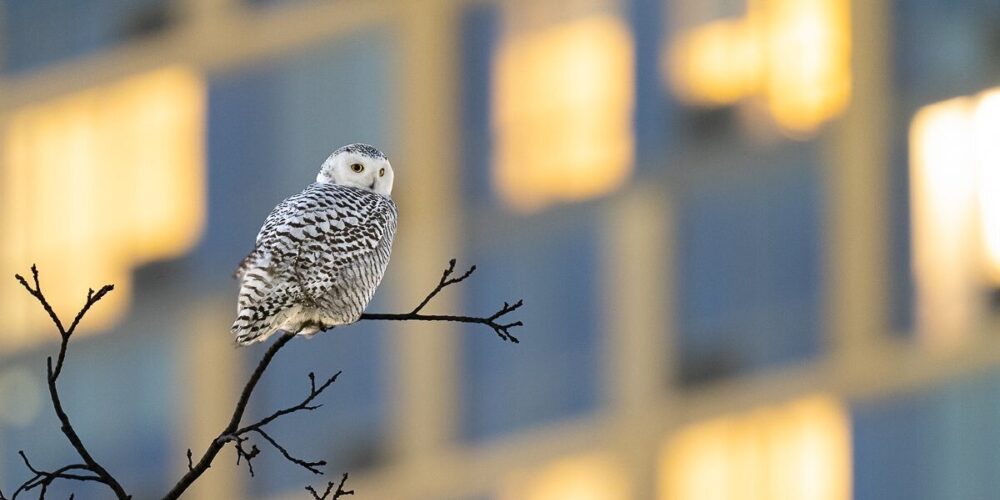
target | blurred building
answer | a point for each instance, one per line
(759, 242)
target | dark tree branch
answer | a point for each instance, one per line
(99, 473)
(43, 479)
(339, 492)
(92, 471)
(224, 437)
(309, 466)
(501, 329)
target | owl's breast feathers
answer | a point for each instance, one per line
(318, 260)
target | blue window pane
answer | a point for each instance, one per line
(553, 373)
(945, 48)
(655, 108)
(271, 126)
(480, 29)
(749, 261)
(39, 32)
(132, 373)
(929, 445)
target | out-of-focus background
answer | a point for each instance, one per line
(758, 240)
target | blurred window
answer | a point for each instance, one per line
(932, 444)
(122, 162)
(955, 200)
(749, 268)
(941, 49)
(553, 264)
(548, 260)
(561, 95)
(799, 450)
(40, 32)
(587, 477)
(794, 55)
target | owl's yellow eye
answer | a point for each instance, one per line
(381, 172)
(357, 167)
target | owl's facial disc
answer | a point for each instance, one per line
(360, 166)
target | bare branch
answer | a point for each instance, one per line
(444, 283)
(43, 479)
(99, 473)
(309, 466)
(90, 470)
(501, 329)
(303, 406)
(239, 436)
(339, 492)
(225, 436)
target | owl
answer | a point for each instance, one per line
(321, 253)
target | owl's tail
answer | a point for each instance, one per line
(253, 325)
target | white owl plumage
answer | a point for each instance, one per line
(322, 253)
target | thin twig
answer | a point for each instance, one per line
(100, 474)
(309, 466)
(339, 492)
(501, 329)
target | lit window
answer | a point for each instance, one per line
(799, 451)
(562, 112)
(793, 54)
(592, 477)
(93, 184)
(955, 192)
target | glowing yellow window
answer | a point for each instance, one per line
(562, 112)
(797, 451)
(590, 477)
(955, 194)
(792, 54)
(93, 184)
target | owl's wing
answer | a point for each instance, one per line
(283, 213)
(303, 249)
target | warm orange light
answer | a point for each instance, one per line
(797, 451)
(94, 184)
(562, 112)
(716, 64)
(794, 54)
(808, 72)
(592, 477)
(955, 194)
(986, 123)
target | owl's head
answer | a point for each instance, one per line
(358, 165)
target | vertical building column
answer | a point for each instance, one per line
(856, 158)
(212, 378)
(423, 354)
(638, 340)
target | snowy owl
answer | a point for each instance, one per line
(321, 253)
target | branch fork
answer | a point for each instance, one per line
(493, 321)
(89, 470)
